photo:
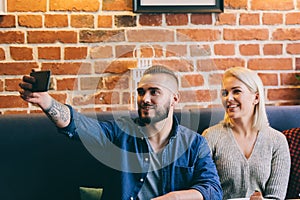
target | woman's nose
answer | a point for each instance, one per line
(230, 96)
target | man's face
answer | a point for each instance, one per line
(155, 97)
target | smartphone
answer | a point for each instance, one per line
(42, 81)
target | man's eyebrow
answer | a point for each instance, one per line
(150, 88)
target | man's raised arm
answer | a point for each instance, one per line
(57, 112)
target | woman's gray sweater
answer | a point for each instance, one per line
(266, 170)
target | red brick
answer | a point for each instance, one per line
(119, 5)
(271, 64)
(99, 98)
(17, 68)
(289, 79)
(126, 99)
(1, 85)
(27, 6)
(269, 79)
(73, 53)
(105, 21)
(176, 50)
(292, 18)
(49, 53)
(176, 19)
(215, 79)
(200, 50)
(124, 51)
(201, 19)
(150, 19)
(192, 80)
(91, 83)
(272, 49)
(14, 112)
(249, 19)
(67, 84)
(297, 63)
(82, 21)
(246, 34)
(11, 37)
(249, 49)
(226, 19)
(12, 84)
(224, 49)
(198, 35)
(176, 65)
(272, 18)
(219, 64)
(30, 21)
(12, 101)
(153, 35)
(286, 34)
(74, 5)
(283, 94)
(21, 53)
(125, 21)
(62, 98)
(67, 68)
(95, 36)
(272, 5)
(236, 4)
(56, 20)
(155, 51)
(101, 52)
(7, 21)
(51, 36)
(2, 54)
(115, 67)
(293, 48)
(198, 96)
(116, 82)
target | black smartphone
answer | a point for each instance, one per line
(42, 81)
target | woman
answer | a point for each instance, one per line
(249, 154)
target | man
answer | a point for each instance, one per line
(155, 156)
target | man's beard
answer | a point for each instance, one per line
(160, 115)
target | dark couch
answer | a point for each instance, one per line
(38, 163)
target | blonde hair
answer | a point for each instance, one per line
(255, 85)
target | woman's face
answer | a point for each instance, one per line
(237, 99)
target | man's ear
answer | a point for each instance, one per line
(176, 97)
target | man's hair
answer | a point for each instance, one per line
(160, 69)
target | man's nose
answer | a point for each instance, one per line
(147, 97)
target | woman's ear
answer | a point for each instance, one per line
(256, 100)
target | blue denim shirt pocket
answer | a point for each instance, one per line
(183, 175)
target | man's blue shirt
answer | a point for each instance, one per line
(121, 145)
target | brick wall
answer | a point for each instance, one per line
(90, 45)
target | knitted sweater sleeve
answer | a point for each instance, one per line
(276, 186)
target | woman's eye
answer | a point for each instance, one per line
(236, 91)
(224, 93)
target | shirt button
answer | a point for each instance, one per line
(141, 179)
(131, 198)
(146, 159)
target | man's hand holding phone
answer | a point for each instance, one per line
(35, 87)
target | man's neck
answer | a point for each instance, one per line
(159, 133)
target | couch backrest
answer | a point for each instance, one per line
(39, 163)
